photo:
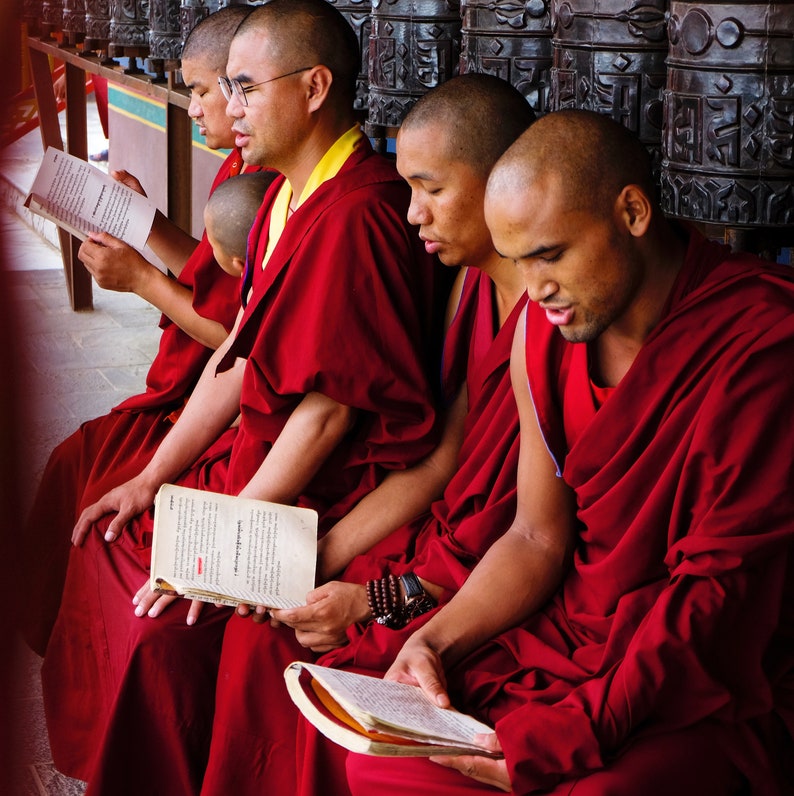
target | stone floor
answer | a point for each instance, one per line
(76, 366)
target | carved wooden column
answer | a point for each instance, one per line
(512, 40)
(729, 115)
(358, 14)
(414, 46)
(610, 58)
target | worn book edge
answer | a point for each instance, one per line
(342, 723)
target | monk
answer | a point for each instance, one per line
(658, 368)
(327, 372)
(230, 213)
(445, 148)
(108, 450)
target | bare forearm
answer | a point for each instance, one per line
(403, 495)
(171, 243)
(176, 301)
(312, 432)
(514, 580)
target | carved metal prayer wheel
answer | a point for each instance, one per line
(512, 40)
(73, 20)
(729, 113)
(191, 12)
(358, 14)
(414, 46)
(51, 16)
(31, 15)
(609, 57)
(129, 27)
(165, 29)
(97, 24)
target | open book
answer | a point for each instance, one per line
(81, 198)
(379, 717)
(229, 550)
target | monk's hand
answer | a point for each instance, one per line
(483, 769)
(128, 179)
(418, 663)
(114, 264)
(322, 623)
(150, 603)
(126, 501)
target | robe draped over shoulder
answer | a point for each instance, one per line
(677, 613)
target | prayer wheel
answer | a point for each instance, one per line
(31, 16)
(728, 147)
(51, 16)
(74, 21)
(358, 14)
(191, 12)
(129, 28)
(414, 46)
(512, 40)
(609, 57)
(97, 24)
(165, 29)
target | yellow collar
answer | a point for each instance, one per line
(328, 167)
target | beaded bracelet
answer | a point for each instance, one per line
(385, 605)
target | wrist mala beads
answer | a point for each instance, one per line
(387, 605)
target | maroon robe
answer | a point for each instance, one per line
(477, 507)
(109, 450)
(670, 641)
(340, 309)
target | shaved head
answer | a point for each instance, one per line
(481, 116)
(586, 155)
(307, 33)
(210, 39)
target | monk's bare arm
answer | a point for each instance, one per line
(117, 266)
(519, 572)
(213, 406)
(403, 495)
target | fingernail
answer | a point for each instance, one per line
(191, 620)
(110, 536)
(139, 611)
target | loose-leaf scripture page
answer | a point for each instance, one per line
(80, 198)
(230, 550)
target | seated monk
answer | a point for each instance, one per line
(230, 213)
(445, 148)
(199, 309)
(658, 368)
(327, 371)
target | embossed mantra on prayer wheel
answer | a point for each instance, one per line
(358, 14)
(414, 46)
(729, 113)
(97, 24)
(512, 40)
(74, 21)
(165, 30)
(609, 57)
(51, 16)
(129, 28)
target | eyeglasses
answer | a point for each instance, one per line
(229, 87)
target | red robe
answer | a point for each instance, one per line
(130, 704)
(670, 642)
(477, 507)
(108, 450)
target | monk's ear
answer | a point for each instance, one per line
(318, 82)
(635, 209)
(238, 265)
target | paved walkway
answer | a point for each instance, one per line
(76, 366)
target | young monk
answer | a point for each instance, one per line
(445, 148)
(326, 372)
(110, 449)
(230, 213)
(658, 368)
